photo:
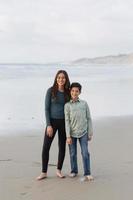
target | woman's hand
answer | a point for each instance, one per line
(69, 140)
(49, 131)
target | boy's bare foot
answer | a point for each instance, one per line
(72, 175)
(59, 174)
(41, 176)
(89, 178)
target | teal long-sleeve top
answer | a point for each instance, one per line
(78, 119)
(54, 107)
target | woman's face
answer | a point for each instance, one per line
(61, 80)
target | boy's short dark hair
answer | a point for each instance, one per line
(76, 84)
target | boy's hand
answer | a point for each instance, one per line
(69, 140)
(89, 138)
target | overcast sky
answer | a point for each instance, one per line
(40, 31)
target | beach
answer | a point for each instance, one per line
(108, 91)
(92, 42)
(111, 164)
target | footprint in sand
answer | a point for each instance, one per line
(5, 160)
(36, 164)
(23, 193)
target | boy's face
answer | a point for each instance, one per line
(75, 93)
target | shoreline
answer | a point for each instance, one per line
(10, 128)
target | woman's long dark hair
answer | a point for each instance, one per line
(66, 86)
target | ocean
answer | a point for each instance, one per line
(106, 88)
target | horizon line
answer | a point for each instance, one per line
(61, 62)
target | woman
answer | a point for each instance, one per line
(56, 97)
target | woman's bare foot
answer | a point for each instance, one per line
(41, 176)
(59, 174)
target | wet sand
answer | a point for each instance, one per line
(111, 163)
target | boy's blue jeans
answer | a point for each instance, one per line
(85, 154)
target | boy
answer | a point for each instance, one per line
(78, 126)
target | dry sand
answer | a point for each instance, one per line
(111, 163)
